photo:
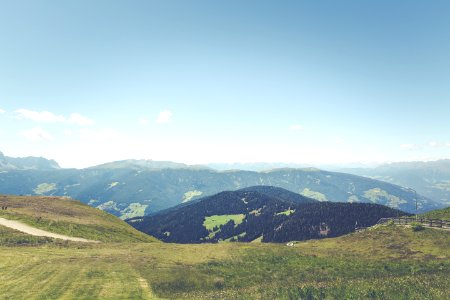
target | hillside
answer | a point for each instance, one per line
(248, 215)
(443, 214)
(68, 217)
(130, 192)
(431, 179)
(26, 163)
(387, 262)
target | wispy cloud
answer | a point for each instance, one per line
(2, 111)
(164, 117)
(80, 120)
(36, 134)
(49, 117)
(296, 127)
(143, 121)
(432, 144)
(435, 144)
(409, 146)
(39, 116)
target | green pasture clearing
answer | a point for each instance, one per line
(217, 220)
(286, 212)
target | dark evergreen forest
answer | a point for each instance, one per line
(272, 214)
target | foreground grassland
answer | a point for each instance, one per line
(69, 217)
(389, 262)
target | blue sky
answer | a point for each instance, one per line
(317, 82)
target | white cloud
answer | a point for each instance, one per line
(49, 117)
(144, 121)
(42, 116)
(296, 127)
(37, 134)
(434, 144)
(164, 117)
(80, 120)
(2, 111)
(409, 146)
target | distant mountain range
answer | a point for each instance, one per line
(265, 214)
(431, 179)
(26, 163)
(141, 187)
(146, 164)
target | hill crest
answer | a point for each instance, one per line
(62, 215)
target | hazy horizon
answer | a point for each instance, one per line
(201, 82)
(252, 166)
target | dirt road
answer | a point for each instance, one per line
(39, 232)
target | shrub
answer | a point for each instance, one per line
(415, 226)
(390, 223)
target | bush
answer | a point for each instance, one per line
(390, 223)
(415, 226)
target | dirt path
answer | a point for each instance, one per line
(147, 292)
(39, 232)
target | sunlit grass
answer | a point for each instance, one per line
(69, 217)
(389, 262)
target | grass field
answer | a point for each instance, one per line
(389, 262)
(386, 262)
(69, 217)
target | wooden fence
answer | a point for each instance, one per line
(425, 222)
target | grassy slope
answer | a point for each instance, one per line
(213, 221)
(69, 217)
(389, 262)
(438, 214)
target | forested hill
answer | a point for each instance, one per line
(272, 192)
(252, 216)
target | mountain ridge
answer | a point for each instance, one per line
(27, 163)
(431, 179)
(131, 188)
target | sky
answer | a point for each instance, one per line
(312, 82)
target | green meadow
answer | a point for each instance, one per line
(384, 262)
(388, 262)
